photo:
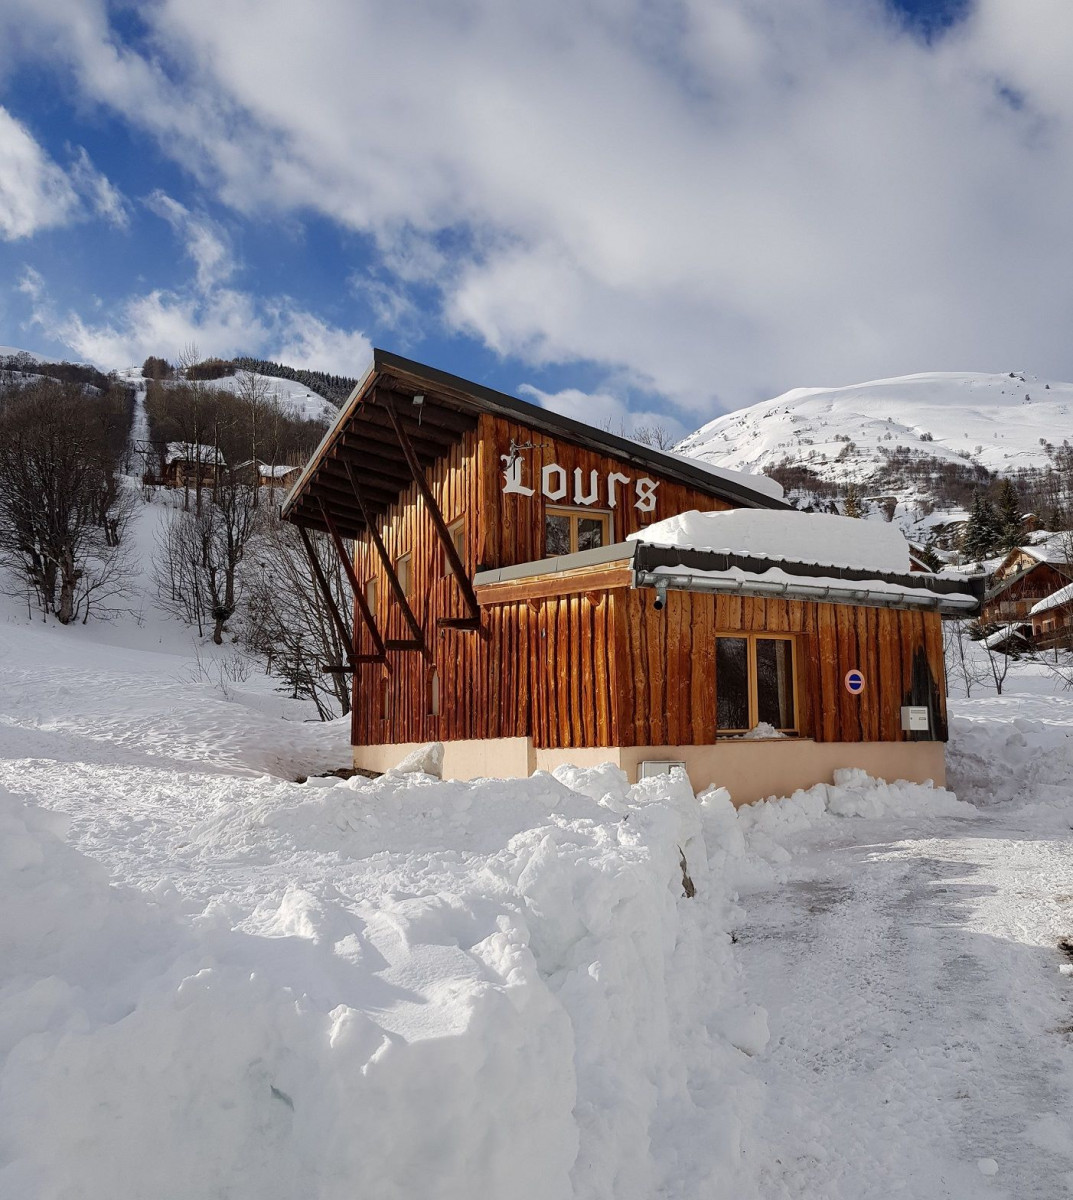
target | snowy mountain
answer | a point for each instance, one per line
(897, 437)
(996, 421)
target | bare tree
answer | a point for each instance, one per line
(197, 566)
(657, 436)
(286, 619)
(962, 664)
(63, 513)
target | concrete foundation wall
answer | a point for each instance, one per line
(749, 770)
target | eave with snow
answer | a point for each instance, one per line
(531, 590)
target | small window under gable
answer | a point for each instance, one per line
(457, 530)
(404, 571)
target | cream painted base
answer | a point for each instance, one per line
(749, 770)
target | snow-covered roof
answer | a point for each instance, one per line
(192, 452)
(1054, 548)
(1054, 600)
(750, 479)
(786, 535)
(278, 471)
(1007, 633)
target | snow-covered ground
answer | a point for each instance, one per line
(216, 981)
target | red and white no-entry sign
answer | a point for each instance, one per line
(854, 682)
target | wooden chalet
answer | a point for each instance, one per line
(1052, 620)
(183, 462)
(500, 608)
(1025, 577)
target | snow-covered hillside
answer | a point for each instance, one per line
(295, 396)
(997, 421)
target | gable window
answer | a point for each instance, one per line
(372, 595)
(571, 530)
(457, 530)
(755, 681)
(403, 569)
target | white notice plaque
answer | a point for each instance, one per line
(914, 718)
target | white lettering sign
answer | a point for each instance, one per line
(553, 484)
(594, 487)
(559, 490)
(512, 475)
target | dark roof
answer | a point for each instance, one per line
(362, 437)
(1003, 585)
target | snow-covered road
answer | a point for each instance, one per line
(920, 1025)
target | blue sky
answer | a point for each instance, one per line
(634, 212)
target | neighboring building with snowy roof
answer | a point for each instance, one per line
(1024, 578)
(184, 462)
(532, 591)
(1054, 548)
(270, 475)
(1052, 619)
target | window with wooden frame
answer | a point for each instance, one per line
(571, 530)
(457, 530)
(433, 696)
(403, 571)
(372, 595)
(756, 682)
(384, 698)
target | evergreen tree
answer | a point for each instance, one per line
(981, 532)
(854, 506)
(1010, 517)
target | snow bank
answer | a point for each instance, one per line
(791, 536)
(1015, 750)
(482, 999)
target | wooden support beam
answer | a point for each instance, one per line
(326, 591)
(455, 563)
(418, 641)
(355, 587)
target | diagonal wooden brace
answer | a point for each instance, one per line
(345, 634)
(418, 639)
(454, 562)
(359, 595)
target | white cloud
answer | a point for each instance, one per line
(219, 321)
(203, 239)
(34, 192)
(99, 193)
(718, 197)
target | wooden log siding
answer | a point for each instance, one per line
(598, 665)
(668, 695)
(490, 684)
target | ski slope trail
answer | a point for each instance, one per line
(920, 1022)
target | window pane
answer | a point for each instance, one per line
(556, 535)
(775, 682)
(590, 533)
(731, 683)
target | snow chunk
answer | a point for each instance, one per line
(791, 536)
(425, 760)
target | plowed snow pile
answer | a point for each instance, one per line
(406, 987)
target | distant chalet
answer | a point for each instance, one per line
(500, 608)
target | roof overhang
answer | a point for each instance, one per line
(361, 441)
